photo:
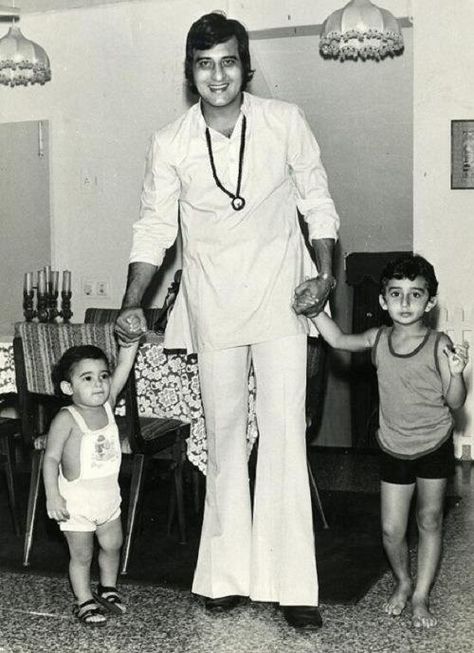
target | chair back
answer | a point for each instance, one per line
(37, 348)
(156, 318)
(44, 344)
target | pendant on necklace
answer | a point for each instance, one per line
(238, 203)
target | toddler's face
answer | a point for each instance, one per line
(90, 383)
(406, 301)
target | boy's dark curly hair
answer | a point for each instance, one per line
(64, 368)
(210, 30)
(410, 266)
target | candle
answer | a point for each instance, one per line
(67, 281)
(28, 282)
(41, 282)
(55, 280)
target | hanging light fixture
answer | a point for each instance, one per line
(22, 61)
(361, 30)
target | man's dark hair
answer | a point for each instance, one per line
(410, 266)
(64, 368)
(210, 30)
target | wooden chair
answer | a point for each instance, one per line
(37, 347)
(9, 427)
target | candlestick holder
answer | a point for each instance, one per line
(66, 312)
(28, 307)
(46, 305)
(42, 307)
(53, 312)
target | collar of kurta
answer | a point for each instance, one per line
(245, 109)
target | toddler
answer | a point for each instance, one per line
(81, 468)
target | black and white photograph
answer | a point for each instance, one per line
(236, 326)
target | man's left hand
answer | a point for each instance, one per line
(312, 295)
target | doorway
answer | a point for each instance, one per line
(24, 212)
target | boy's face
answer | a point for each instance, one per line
(407, 301)
(90, 383)
(218, 74)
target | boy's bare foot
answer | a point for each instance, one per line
(397, 602)
(422, 617)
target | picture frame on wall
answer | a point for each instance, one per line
(462, 154)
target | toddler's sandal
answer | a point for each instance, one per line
(90, 614)
(110, 599)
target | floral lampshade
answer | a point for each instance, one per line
(22, 61)
(361, 30)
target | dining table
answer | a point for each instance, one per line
(167, 385)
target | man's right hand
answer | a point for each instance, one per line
(130, 325)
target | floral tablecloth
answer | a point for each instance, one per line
(7, 368)
(167, 386)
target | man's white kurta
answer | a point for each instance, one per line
(240, 268)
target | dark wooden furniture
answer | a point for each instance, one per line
(9, 427)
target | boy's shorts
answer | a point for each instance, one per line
(436, 464)
(90, 502)
(89, 523)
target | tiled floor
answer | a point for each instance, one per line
(35, 611)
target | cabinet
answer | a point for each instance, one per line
(363, 270)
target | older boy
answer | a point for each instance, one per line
(420, 381)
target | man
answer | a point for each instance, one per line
(239, 166)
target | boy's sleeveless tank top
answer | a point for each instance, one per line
(413, 416)
(100, 453)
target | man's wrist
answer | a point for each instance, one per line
(327, 276)
(131, 300)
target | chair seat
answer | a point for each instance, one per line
(158, 433)
(153, 427)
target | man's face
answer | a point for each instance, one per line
(218, 74)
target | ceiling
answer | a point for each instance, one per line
(35, 6)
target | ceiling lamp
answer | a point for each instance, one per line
(22, 61)
(361, 30)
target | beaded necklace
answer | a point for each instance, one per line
(237, 201)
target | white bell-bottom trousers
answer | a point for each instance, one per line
(268, 553)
